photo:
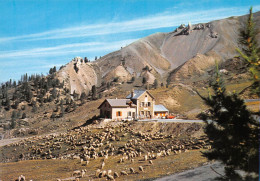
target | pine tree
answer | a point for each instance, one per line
(86, 60)
(54, 69)
(108, 85)
(24, 115)
(144, 80)
(7, 103)
(61, 110)
(83, 97)
(250, 50)
(94, 92)
(232, 130)
(50, 71)
(13, 123)
(155, 83)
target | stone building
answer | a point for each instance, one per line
(139, 104)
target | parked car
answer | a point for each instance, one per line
(170, 117)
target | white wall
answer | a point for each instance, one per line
(124, 112)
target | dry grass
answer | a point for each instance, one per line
(54, 169)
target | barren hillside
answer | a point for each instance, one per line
(180, 54)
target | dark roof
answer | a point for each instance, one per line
(160, 108)
(137, 94)
(118, 103)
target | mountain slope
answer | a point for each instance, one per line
(185, 52)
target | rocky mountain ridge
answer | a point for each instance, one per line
(169, 57)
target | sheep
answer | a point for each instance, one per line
(158, 154)
(132, 170)
(168, 153)
(81, 160)
(83, 172)
(76, 173)
(102, 174)
(109, 172)
(141, 168)
(110, 177)
(132, 160)
(123, 173)
(151, 162)
(145, 158)
(102, 165)
(97, 172)
(21, 178)
(121, 160)
(116, 175)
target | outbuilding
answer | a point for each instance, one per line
(160, 111)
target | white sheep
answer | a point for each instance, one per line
(132, 170)
(102, 165)
(76, 173)
(116, 175)
(109, 172)
(141, 168)
(21, 178)
(97, 172)
(145, 158)
(123, 173)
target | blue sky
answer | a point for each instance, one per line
(38, 34)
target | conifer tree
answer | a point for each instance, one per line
(61, 110)
(232, 130)
(7, 103)
(94, 92)
(24, 115)
(155, 83)
(144, 80)
(250, 50)
(54, 69)
(13, 123)
(83, 97)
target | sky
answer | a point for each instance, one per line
(36, 35)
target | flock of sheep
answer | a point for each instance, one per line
(87, 144)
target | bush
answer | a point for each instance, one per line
(24, 115)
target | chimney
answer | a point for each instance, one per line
(132, 93)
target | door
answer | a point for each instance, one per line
(133, 115)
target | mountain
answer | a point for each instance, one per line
(181, 62)
(185, 52)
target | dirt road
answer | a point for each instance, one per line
(203, 173)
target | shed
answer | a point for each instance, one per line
(160, 110)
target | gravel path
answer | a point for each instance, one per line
(172, 120)
(4, 142)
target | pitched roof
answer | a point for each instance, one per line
(137, 94)
(118, 102)
(160, 108)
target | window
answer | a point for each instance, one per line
(129, 113)
(142, 105)
(146, 98)
(142, 113)
(149, 104)
(118, 113)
